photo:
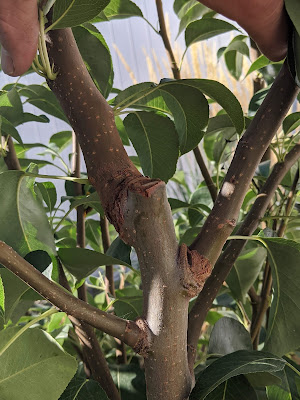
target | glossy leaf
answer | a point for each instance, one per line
(129, 304)
(260, 62)
(48, 192)
(291, 122)
(234, 364)
(119, 250)
(23, 222)
(245, 270)
(229, 335)
(44, 99)
(156, 142)
(118, 9)
(74, 12)
(83, 262)
(61, 140)
(96, 56)
(83, 389)
(143, 96)
(223, 96)
(194, 11)
(7, 128)
(235, 388)
(190, 111)
(206, 28)
(284, 323)
(14, 290)
(33, 354)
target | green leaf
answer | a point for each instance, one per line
(34, 354)
(83, 262)
(122, 131)
(284, 323)
(291, 122)
(44, 99)
(77, 13)
(234, 364)
(61, 140)
(145, 96)
(190, 111)
(223, 96)
(57, 321)
(229, 335)
(4, 100)
(8, 129)
(23, 221)
(14, 290)
(156, 142)
(235, 388)
(261, 62)
(118, 9)
(192, 12)
(277, 393)
(39, 259)
(130, 381)
(14, 111)
(93, 233)
(129, 304)
(234, 64)
(96, 56)
(206, 28)
(293, 9)
(83, 389)
(48, 192)
(246, 270)
(148, 96)
(120, 250)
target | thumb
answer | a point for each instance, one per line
(19, 29)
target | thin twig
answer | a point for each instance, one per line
(164, 35)
(206, 176)
(11, 159)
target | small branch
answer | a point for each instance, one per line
(229, 256)
(264, 305)
(128, 331)
(206, 176)
(164, 34)
(289, 205)
(109, 269)
(11, 159)
(91, 350)
(249, 152)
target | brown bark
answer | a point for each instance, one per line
(229, 256)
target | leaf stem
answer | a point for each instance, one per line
(60, 18)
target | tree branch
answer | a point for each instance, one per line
(128, 331)
(232, 251)
(206, 176)
(164, 35)
(91, 349)
(249, 152)
(11, 159)
(109, 269)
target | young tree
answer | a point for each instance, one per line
(183, 259)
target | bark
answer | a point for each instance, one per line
(248, 154)
(128, 331)
(133, 204)
(229, 256)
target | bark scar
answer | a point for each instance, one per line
(196, 269)
(143, 344)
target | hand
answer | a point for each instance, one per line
(19, 29)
